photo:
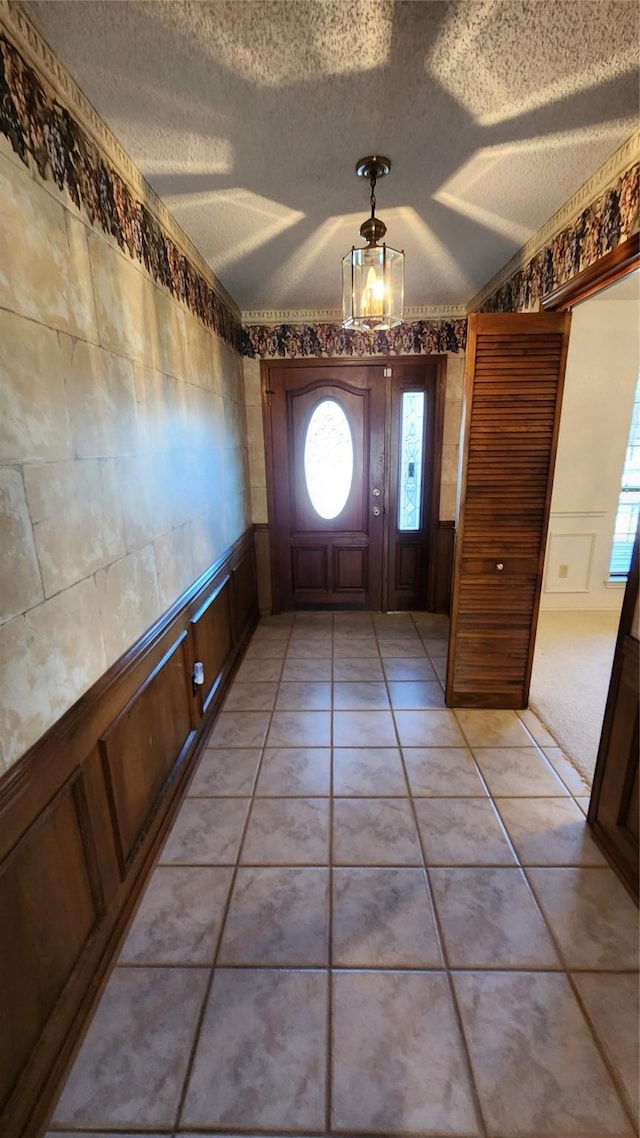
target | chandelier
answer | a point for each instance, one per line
(373, 276)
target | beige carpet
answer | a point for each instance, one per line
(571, 671)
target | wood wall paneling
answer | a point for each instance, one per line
(142, 747)
(82, 816)
(515, 373)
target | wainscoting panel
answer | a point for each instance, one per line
(82, 817)
(213, 638)
(143, 746)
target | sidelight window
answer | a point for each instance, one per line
(328, 459)
(412, 425)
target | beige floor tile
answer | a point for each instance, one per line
(295, 772)
(309, 695)
(240, 729)
(300, 729)
(356, 696)
(398, 1061)
(180, 916)
(490, 920)
(374, 831)
(131, 1066)
(363, 728)
(207, 831)
(492, 728)
(225, 772)
(432, 728)
(393, 623)
(549, 831)
(251, 697)
(268, 649)
(461, 831)
(259, 671)
(353, 623)
(536, 729)
(436, 649)
(383, 918)
(583, 803)
(406, 670)
(440, 668)
(565, 768)
(305, 649)
(278, 917)
(287, 831)
(612, 1004)
(536, 1066)
(591, 915)
(351, 669)
(304, 670)
(368, 772)
(517, 771)
(443, 772)
(352, 648)
(264, 1036)
(416, 694)
(403, 648)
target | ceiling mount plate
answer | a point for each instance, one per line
(373, 167)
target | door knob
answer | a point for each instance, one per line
(376, 511)
(500, 566)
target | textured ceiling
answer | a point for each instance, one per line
(247, 117)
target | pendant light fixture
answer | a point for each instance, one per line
(372, 277)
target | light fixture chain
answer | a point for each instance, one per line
(373, 195)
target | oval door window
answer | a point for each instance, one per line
(328, 459)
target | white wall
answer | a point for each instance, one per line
(602, 372)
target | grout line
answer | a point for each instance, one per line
(475, 1094)
(223, 921)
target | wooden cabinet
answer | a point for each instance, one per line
(513, 392)
(614, 806)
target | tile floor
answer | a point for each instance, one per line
(373, 916)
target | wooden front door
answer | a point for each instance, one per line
(351, 461)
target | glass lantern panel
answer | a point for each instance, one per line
(328, 459)
(411, 461)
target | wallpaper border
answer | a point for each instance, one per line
(97, 174)
(562, 249)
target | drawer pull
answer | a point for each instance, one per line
(500, 566)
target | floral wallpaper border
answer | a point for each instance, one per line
(605, 223)
(40, 127)
(293, 341)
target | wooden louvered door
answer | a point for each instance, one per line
(515, 373)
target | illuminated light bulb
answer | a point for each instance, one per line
(373, 294)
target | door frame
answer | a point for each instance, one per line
(440, 360)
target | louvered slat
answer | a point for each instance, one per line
(515, 372)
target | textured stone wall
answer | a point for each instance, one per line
(123, 466)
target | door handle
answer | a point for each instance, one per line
(376, 511)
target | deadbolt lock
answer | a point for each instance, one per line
(376, 492)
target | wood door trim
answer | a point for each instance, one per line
(604, 272)
(440, 360)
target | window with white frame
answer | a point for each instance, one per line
(629, 500)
